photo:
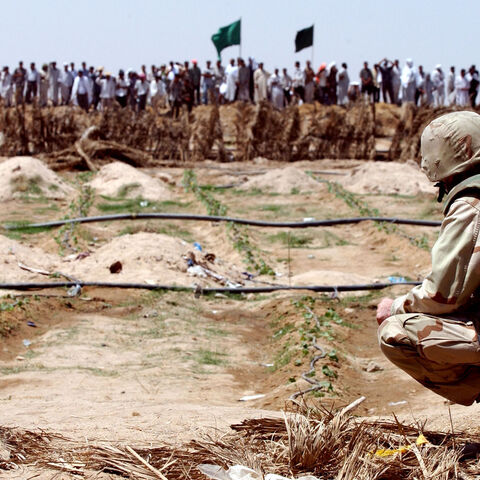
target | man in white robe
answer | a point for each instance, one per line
(231, 74)
(298, 82)
(6, 87)
(53, 82)
(260, 82)
(107, 89)
(408, 79)
(438, 81)
(462, 85)
(343, 83)
(66, 84)
(276, 90)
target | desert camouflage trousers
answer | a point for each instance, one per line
(442, 354)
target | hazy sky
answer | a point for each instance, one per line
(127, 33)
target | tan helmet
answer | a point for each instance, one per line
(450, 145)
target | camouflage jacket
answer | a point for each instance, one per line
(449, 289)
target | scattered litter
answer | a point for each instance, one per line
(30, 323)
(394, 404)
(266, 364)
(197, 246)
(26, 342)
(220, 295)
(394, 279)
(241, 472)
(19, 358)
(144, 203)
(246, 398)
(74, 291)
(248, 275)
(210, 257)
(197, 271)
(309, 219)
(387, 452)
(373, 367)
(116, 267)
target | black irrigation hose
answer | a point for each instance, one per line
(214, 218)
(198, 290)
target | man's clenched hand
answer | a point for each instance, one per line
(383, 309)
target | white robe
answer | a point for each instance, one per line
(260, 82)
(231, 73)
(438, 81)
(461, 91)
(408, 83)
(276, 91)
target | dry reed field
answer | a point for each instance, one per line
(185, 383)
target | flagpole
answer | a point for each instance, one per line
(240, 45)
(313, 45)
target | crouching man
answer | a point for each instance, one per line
(432, 332)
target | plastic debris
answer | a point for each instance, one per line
(241, 472)
(394, 404)
(197, 271)
(197, 246)
(144, 203)
(394, 279)
(372, 367)
(74, 291)
(309, 219)
(387, 452)
(26, 342)
(246, 398)
(31, 324)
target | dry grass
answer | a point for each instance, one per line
(314, 441)
(296, 133)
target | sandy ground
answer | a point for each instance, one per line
(149, 368)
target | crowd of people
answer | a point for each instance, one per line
(185, 84)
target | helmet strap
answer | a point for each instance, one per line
(442, 190)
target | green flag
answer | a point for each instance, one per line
(304, 39)
(227, 36)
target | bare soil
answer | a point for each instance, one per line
(150, 368)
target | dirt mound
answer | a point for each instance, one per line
(118, 179)
(330, 278)
(283, 180)
(387, 178)
(150, 258)
(21, 176)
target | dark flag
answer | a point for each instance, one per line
(227, 36)
(304, 39)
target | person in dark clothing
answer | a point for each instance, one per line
(473, 88)
(95, 88)
(385, 66)
(366, 77)
(188, 93)
(195, 76)
(332, 85)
